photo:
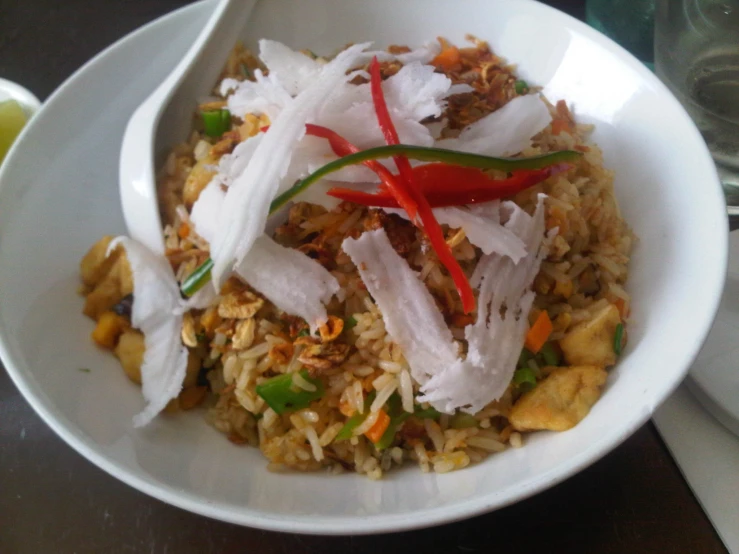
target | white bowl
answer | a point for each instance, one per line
(58, 194)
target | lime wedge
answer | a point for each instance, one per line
(12, 120)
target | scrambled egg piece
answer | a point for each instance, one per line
(591, 342)
(560, 401)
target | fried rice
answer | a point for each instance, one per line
(242, 339)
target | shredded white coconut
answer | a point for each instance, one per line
(157, 313)
(408, 309)
(504, 132)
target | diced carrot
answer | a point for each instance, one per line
(375, 432)
(447, 58)
(559, 126)
(539, 332)
(184, 231)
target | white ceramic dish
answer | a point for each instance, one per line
(58, 194)
(714, 377)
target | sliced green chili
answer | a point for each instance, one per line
(216, 122)
(282, 396)
(425, 154)
(521, 86)
(618, 338)
(524, 357)
(350, 323)
(197, 279)
(549, 354)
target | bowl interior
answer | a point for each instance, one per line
(58, 196)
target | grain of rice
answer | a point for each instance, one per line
(302, 383)
(434, 432)
(358, 397)
(269, 419)
(383, 395)
(382, 381)
(516, 440)
(397, 454)
(255, 351)
(486, 443)
(406, 390)
(367, 424)
(312, 436)
(329, 434)
(392, 367)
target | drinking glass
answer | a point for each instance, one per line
(628, 22)
(697, 57)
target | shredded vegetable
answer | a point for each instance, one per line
(283, 396)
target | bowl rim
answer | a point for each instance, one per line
(372, 524)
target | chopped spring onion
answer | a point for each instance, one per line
(350, 323)
(304, 333)
(521, 86)
(216, 122)
(524, 376)
(282, 396)
(523, 359)
(549, 354)
(618, 338)
(426, 154)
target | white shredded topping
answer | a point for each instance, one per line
(157, 313)
(408, 309)
(504, 132)
(481, 224)
(244, 214)
(495, 340)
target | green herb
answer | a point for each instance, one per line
(549, 354)
(216, 122)
(347, 431)
(304, 333)
(426, 413)
(201, 337)
(425, 154)
(618, 338)
(524, 375)
(397, 417)
(84, 369)
(282, 396)
(462, 420)
(521, 86)
(350, 323)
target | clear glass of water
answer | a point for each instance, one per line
(697, 56)
(629, 22)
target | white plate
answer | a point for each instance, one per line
(714, 377)
(58, 194)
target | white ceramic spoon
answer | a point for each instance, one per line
(164, 119)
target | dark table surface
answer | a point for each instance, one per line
(633, 500)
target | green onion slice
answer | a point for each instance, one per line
(618, 338)
(282, 396)
(216, 122)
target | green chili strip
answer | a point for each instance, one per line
(282, 396)
(425, 154)
(216, 122)
(618, 338)
(197, 279)
(201, 275)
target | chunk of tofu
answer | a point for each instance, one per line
(560, 401)
(117, 283)
(130, 352)
(95, 264)
(591, 342)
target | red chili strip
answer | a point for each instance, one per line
(430, 225)
(450, 185)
